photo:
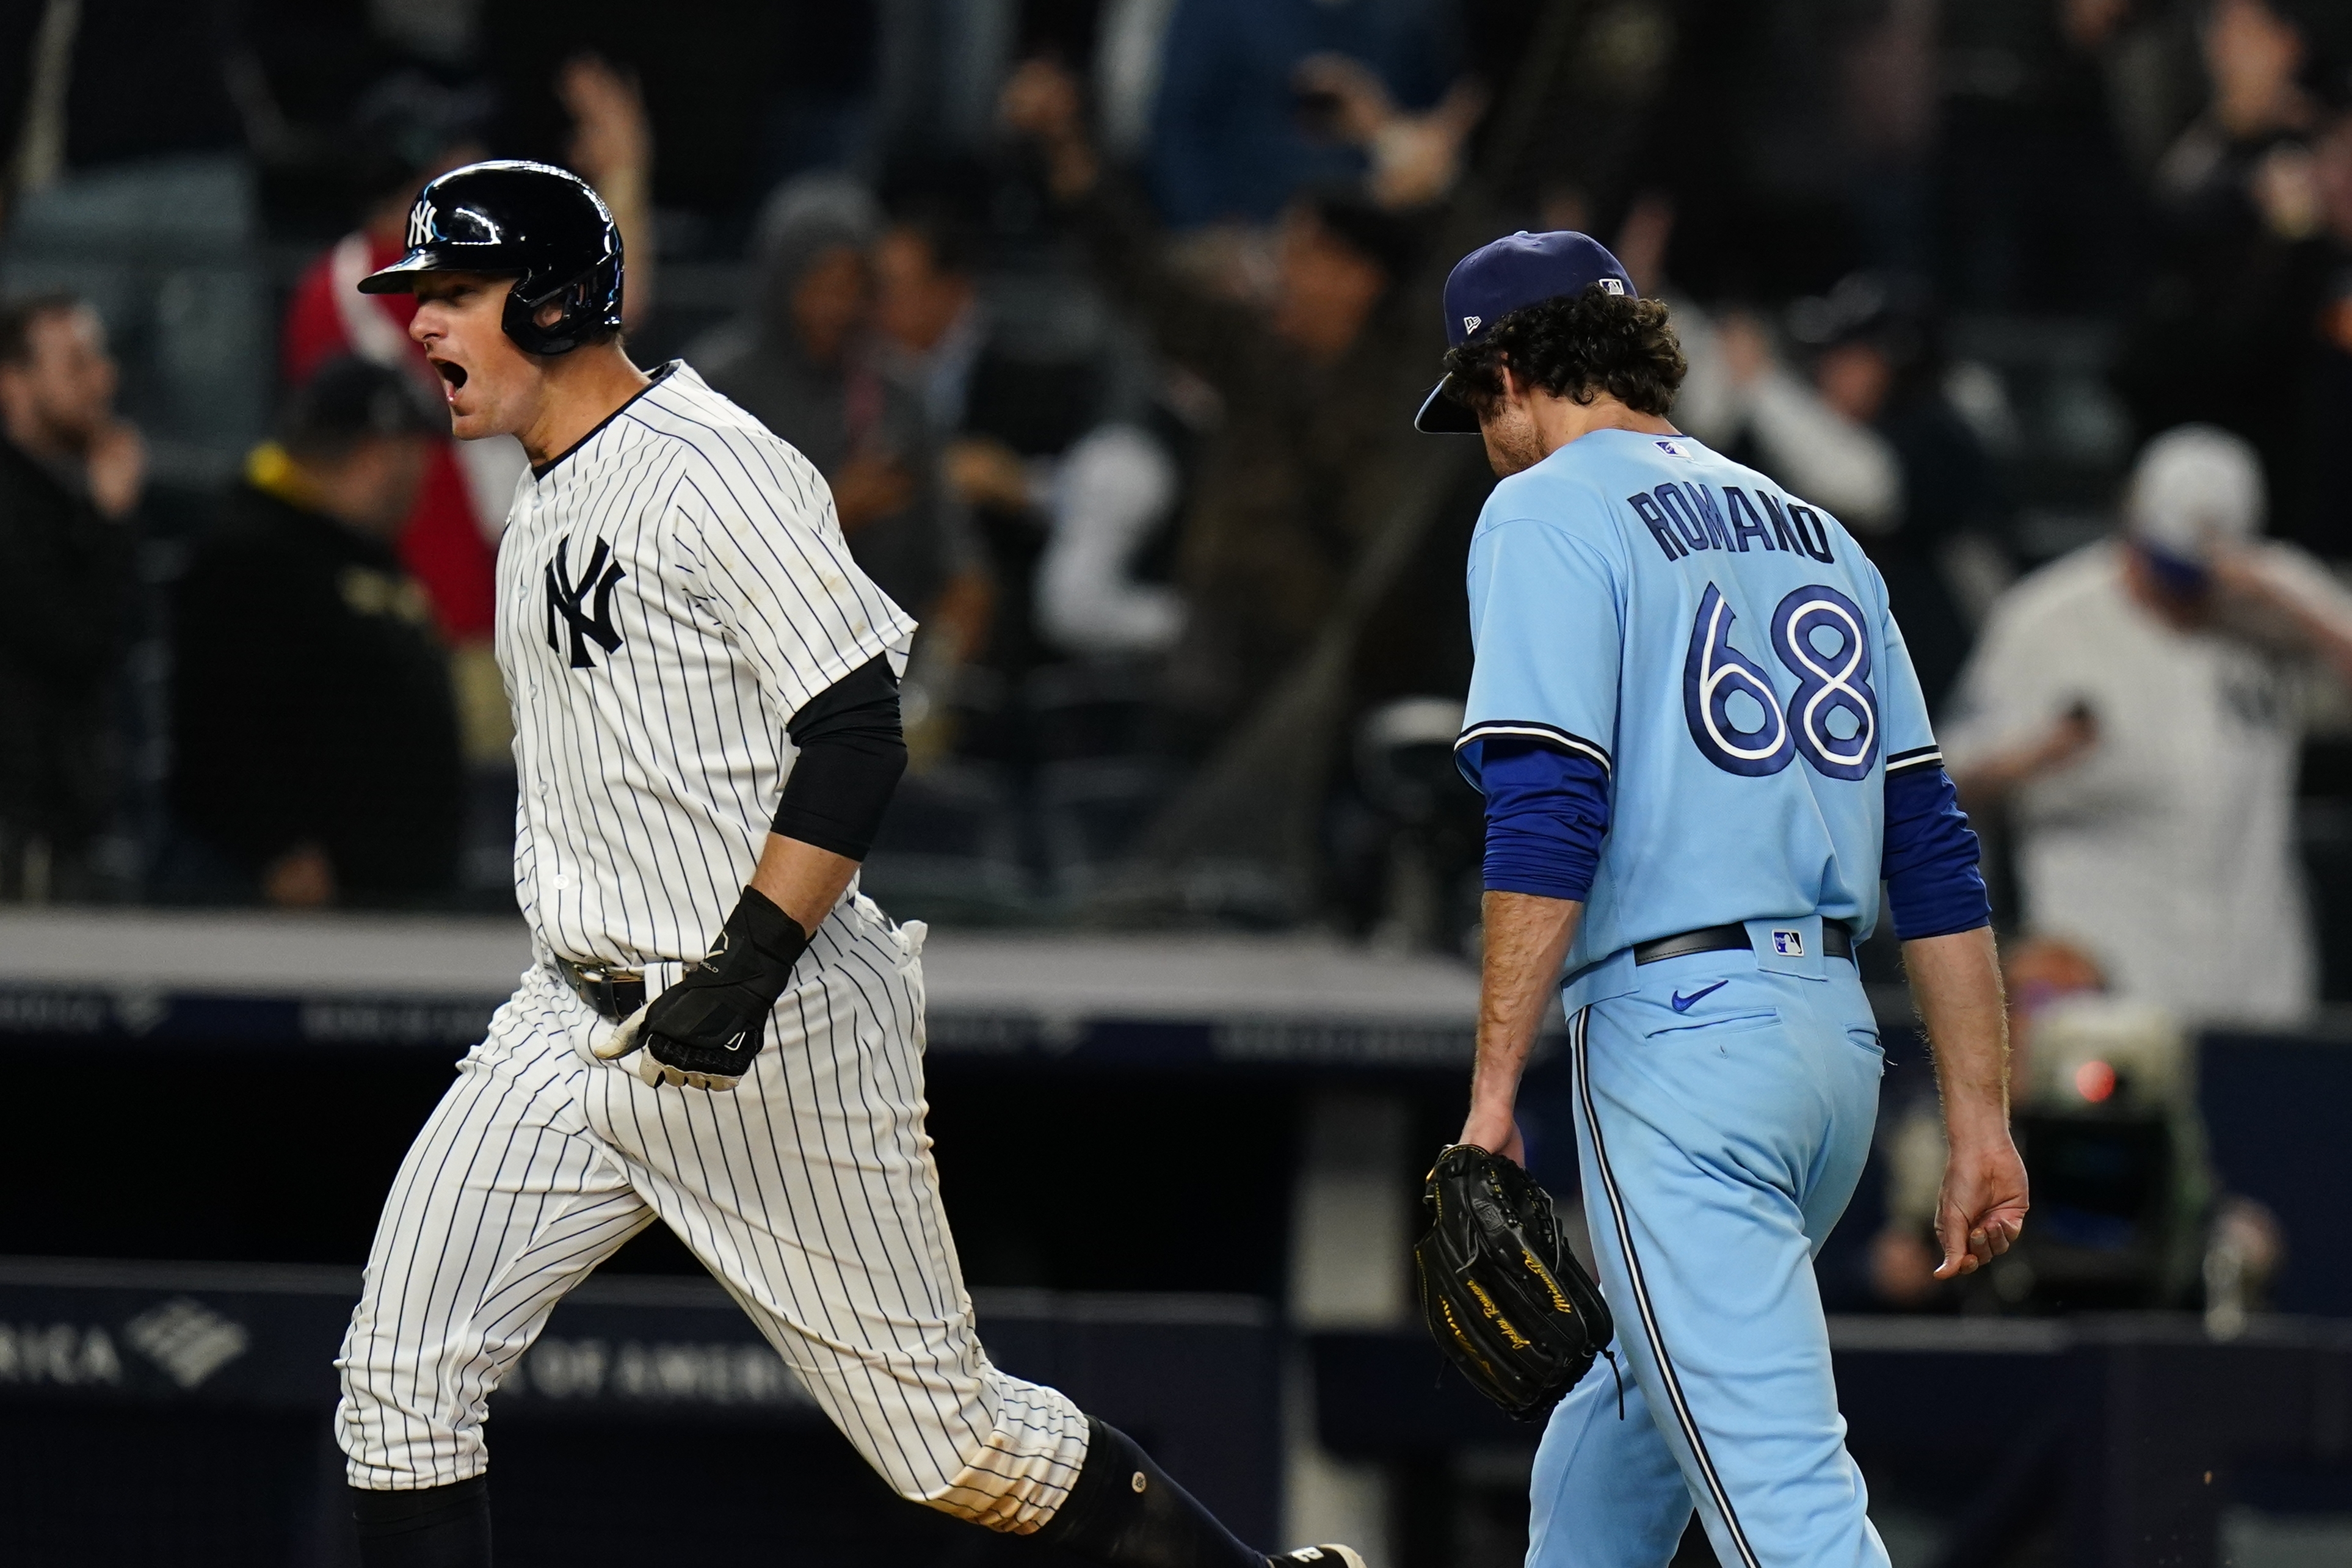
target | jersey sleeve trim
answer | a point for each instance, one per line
(1918, 757)
(1536, 730)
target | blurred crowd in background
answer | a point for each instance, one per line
(1106, 321)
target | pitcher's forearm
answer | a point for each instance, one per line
(1527, 939)
(1956, 984)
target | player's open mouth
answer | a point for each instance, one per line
(454, 374)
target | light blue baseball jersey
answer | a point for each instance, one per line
(1724, 650)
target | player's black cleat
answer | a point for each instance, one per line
(1319, 1557)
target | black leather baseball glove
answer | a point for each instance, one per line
(1506, 1300)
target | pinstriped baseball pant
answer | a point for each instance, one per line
(809, 1191)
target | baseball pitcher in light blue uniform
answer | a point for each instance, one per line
(1703, 749)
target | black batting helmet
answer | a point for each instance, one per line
(540, 223)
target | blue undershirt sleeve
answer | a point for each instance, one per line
(1933, 885)
(1545, 812)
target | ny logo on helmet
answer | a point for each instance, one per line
(565, 597)
(420, 222)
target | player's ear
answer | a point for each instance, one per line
(549, 314)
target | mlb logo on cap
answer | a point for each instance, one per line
(1497, 279)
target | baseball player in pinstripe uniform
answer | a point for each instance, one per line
(719, 1032)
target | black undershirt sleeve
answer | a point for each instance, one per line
(852, 752)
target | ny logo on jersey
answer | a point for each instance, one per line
(566, 596)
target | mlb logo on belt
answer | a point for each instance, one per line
(1789, 943)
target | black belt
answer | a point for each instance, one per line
(615, 994)
(1837, 942)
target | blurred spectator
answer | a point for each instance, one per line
(2040, 212)
(1411, 160)
(1304, 461)
(1113, 491)
(612, 147)
(1875, 363)
(315, 738)
(1866, 432)
(799, 361)
(1131, 42)
(2322, 359)
(1238, 129)
(1743, 400)
(2240, 165)
(2138, 704)
(1887, 73)
(934, 334)
(1015, 415)
(70, 476)
(2251, 325)
(408, 130)
(927, 308)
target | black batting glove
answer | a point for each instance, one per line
(704, 1031)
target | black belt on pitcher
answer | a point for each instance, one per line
(1837, 942)
(615, 994)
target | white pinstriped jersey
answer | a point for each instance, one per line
(670, 592)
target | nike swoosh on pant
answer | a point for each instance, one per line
(1684, 1004)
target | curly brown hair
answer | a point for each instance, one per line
(1577, 346)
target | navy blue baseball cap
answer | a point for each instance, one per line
(1497, 279)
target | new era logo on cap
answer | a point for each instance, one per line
(1497, 279)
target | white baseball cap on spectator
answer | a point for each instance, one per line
(2196, 492)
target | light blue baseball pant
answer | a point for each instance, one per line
(1720, 1143)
